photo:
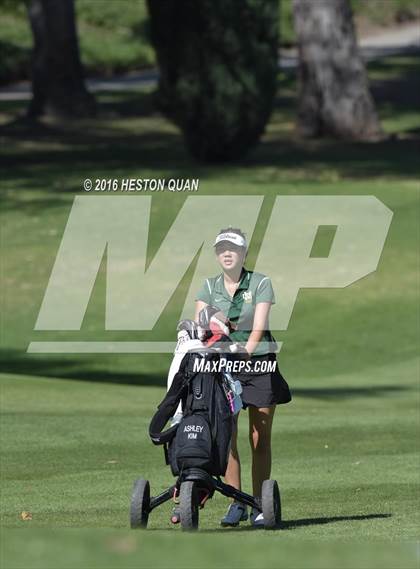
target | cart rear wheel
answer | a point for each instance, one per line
(188, 502)
(271, 504)
(140, 504)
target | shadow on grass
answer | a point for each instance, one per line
(346, 392)
(111, 153)
(40, 156)
(81, 370)
(304, 522)
(296, 524)
(396, 80)
(78, 369)
(388, 158)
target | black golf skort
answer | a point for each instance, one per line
(263, 389)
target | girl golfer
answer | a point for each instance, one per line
(245, 297)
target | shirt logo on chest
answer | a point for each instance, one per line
(247, 296)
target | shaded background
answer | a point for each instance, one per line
(345, 449)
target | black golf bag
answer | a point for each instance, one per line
(202, 438)
(201, 403)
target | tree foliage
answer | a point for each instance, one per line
(218, 71)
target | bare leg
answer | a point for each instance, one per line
(260, 423)
(233, 471)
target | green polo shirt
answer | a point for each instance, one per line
(253, 288)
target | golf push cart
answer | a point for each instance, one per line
(197, 446)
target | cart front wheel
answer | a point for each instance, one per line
(271, 504)
(140, 504)
(188, 502)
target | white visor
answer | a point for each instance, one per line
(238, 240)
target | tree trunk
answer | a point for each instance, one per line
(218, 71)
(334, 97)
(57, 77)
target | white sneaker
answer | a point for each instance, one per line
(257, 519)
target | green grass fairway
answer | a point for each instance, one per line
(74, 428)
(105, 549)
(344, 457)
